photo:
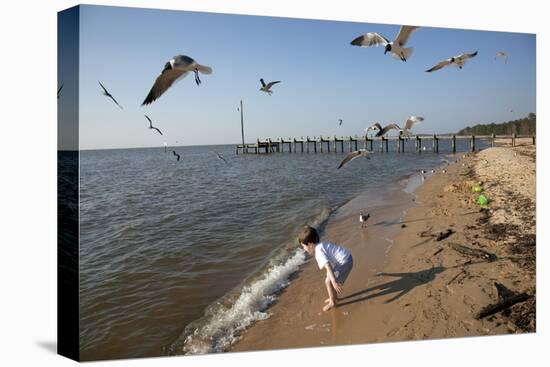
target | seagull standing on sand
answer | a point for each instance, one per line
(175, 69)
(395, 48)
(176, 154)
(220, 157)
(151, 125)
(107, 94)
(503, 55)
(457, 61)
(267, 87)
(363, 219)
(351, 156)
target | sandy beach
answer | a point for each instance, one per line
(426, 265)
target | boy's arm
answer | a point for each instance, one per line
(330, 274)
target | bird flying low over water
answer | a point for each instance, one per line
(395, 48)
(410, 122)
(351, 156)
(151, 125)
(267, 87)
(107, 94)
(387, 128)
(59, 90)
(175, 69)
(502, 55)
(376, 126)
(220, 157)
(457, 61)
(176, 154)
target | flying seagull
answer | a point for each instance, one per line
(410, 122)
(375, 126)
(176, 154)
(151, 125)
(503, 55)
(107, 94)
(175, 69)
(59, 90)
(351, 156)
(395, 47)
(457, 61)
(267, 87)
(340, 121)
(387, 128)
(220, 157)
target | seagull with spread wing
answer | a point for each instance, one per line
(410, 122)
(267, 87)
(356, 154)
(396, 47)
(457, 61)
(376, 126)
(59, 90)
(175, 69)
(107, 94)
(151, 125)
(220, 157)
(387, 128)
(176, 154)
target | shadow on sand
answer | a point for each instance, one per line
(50, 346)
(401, 286)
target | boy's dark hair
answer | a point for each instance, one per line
(308, 235)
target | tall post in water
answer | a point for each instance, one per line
(242, 123)
(453, 143)
(473, 144)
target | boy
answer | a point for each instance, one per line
(336, 260)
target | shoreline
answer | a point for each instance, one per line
(427, 289)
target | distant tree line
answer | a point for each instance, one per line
(524, 126)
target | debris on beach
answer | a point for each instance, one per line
(469, 251)
(507, 298)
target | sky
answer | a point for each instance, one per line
(323, 78)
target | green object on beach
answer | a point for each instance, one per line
(477, 188)
(482, 200)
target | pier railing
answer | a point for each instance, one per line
(334, 144)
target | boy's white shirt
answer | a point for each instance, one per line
(326, 252)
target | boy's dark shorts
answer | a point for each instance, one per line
(341, 272)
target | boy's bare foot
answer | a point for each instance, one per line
(328, 306)
(327, 300)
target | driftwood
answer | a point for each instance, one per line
(438, 251)
(443, 235)
(439, 236)
(473, 252)
(502, 305)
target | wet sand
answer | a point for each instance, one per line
(407, 285)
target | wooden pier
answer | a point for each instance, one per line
(339, 144)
